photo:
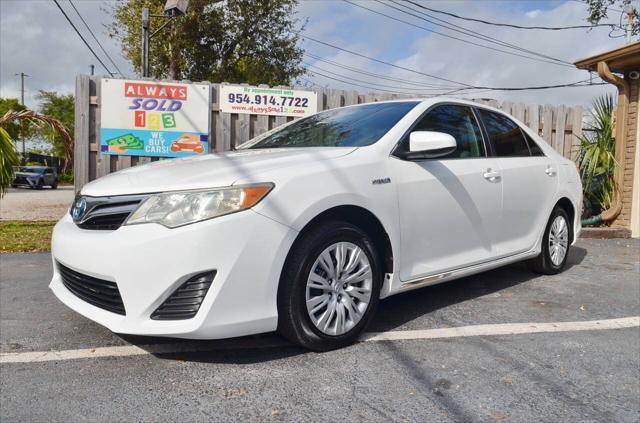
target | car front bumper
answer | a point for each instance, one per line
(25, 181)
(148, 262)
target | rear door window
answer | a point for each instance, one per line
(506, 137)
(533, 146)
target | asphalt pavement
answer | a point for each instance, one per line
(582, 373)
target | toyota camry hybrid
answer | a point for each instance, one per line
(303, 229)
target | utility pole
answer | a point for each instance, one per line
(22, 76)
(631, 13)
(144, 63)
(172, 9)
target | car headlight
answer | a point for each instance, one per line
(173, 209)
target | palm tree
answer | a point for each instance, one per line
(8, 155)
(596, 157)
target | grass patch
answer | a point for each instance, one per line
(20, 236)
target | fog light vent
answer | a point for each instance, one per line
(185, 301)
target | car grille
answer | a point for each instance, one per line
(108, 213)
(97, 292)
(104, 222)
(185, 301)
(20, 180)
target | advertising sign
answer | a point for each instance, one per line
(148, 118)
(267, 101)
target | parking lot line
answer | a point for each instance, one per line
(461, 331)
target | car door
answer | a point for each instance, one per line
(449, 208)
(529, 181)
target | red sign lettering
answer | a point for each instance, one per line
(150, 90)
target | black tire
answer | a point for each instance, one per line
(294, 322)
(40, 184)
(542, 263)
(54, 185)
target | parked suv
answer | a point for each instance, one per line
(35, 177)
(303, 229)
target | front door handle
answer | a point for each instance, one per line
(550, 171)
(491, 175)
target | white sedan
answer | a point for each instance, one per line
(303, 229)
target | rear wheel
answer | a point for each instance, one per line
(555, 244)
(329, 287)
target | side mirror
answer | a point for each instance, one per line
(429, 145)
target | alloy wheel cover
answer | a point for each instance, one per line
(339, 288)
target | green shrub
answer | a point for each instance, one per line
(66, 178)
(596, 157)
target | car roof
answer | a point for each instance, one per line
(36, 167)
(435, 100)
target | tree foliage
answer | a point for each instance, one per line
(599, 10)
(252, 41)
(8, 156)
(12, 128)
(62, 108)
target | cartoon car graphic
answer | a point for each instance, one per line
(187, 142)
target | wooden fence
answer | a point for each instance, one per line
(558, 125)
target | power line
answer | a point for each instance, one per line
(376, 75)
(364, 86)
(546, 87)
(96, 39)
(453, 37)
(468, 86)
(412, 93)
(460, 90)
(383, 62)
(313, 84)
(550, 28)
(82, 38)
(313, 67)
(466, 31)
(465, 90)
(385, 77)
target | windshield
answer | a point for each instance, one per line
(32, 169)
(355, 126)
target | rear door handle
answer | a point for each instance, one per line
(491, 175)
(550, 171)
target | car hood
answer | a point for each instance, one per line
(211, 170)
(27, 174)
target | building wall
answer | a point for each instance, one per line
(635, 203)
(624, 219)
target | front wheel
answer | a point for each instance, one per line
(555, 244)
(329, 288)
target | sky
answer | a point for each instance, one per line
(36, 39)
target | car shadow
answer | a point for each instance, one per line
(392, 313)
(397, 310)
